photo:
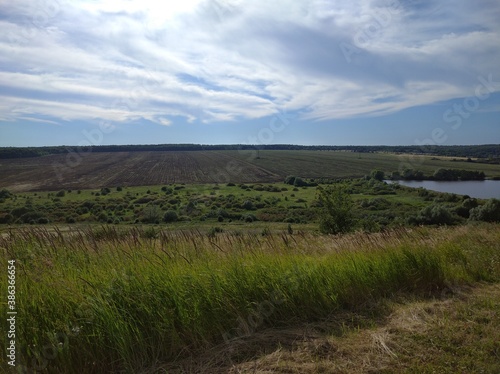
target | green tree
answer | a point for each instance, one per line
(151, 214)
(378, 175)
(336, 210)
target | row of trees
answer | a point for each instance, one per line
(439, 175)
(491, 152)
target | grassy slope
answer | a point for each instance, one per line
(459, 332)
(110, 300)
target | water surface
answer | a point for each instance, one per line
(479, 189)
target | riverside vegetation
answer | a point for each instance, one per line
(370, 205)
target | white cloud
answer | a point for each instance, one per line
(227, 60)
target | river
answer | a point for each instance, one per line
(480, 189)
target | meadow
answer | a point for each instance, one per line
(258, 207)
(109, 300)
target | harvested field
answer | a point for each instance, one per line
(96, 170)
(140, 168)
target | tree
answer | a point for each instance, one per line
(151, 214)
(336, 210)
(378, 175)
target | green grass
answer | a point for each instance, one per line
(105, 300)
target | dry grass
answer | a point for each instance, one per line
(456, 333)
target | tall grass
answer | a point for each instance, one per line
(103, 300)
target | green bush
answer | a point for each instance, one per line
(378, 175)
(170, 216)
(489, 212)
(433, 215)
(336, 210)
(4, 194)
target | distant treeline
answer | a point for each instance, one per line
(439, 175)
(488, 152)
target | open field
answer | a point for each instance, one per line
(107, 300)
(101, 169)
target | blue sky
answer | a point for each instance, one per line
(260, 72)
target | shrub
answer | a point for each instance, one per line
(213, 231)
(61, 193)
(433, 215)
(170, 216)
(248, 205)
(299, 182)
(378, 175)
(6, 218)
(336, 213)
(5, 194)
(248, 218)
(489, 212)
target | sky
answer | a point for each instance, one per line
(317, 72)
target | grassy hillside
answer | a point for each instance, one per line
(104, 300)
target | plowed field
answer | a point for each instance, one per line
(112, 169)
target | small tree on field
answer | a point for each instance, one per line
(151, 214)
(336, 215)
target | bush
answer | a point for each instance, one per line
(248, 205)
(299, 182)
(70, 219)
(61, 193)
(248, 218)
(6, 218)
(433, 215)
(5, 194)
(378, 175)
(489, 212)
(170, 216)
(336, 213)
(213, 231)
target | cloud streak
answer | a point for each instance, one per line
(217, 61)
